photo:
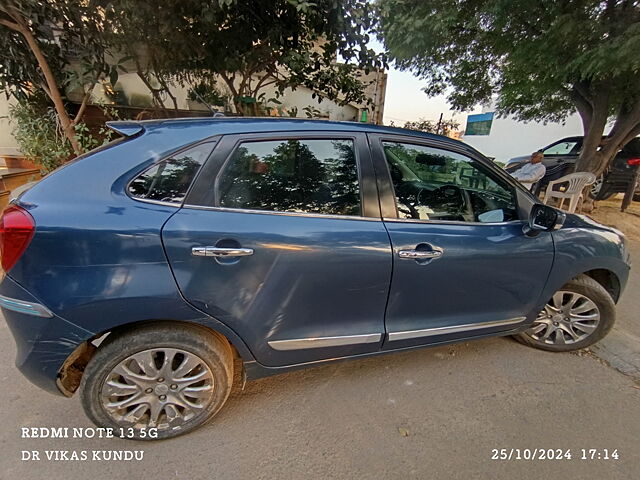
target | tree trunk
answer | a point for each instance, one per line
(597, 150)
(52, 87)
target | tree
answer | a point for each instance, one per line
(441, 127)
(543, 60)
(41, 40)
(250, 45)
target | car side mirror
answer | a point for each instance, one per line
(543, 218)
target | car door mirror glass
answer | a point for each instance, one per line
(544, 218)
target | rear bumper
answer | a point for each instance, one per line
(43, 340)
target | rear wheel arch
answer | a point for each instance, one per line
(72, 370)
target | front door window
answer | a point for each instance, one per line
(439, 185)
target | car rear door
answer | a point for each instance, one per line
(462, 265)
(281, 239)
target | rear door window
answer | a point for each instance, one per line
(317, 176)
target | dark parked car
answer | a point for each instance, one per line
(141, 273)
(560, 158)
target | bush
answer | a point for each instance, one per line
(39, 134)
(40, 137)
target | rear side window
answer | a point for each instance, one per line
(169, 180)
(304, 176)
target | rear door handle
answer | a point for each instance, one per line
(221, 252)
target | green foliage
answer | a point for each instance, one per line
(37, 130)
(207, 91)
(311, 111)
(443, 127)
(543, 60)
(267, 43)
(529, 53)
(67, 32)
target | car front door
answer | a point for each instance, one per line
(282, 240)
(462, 265)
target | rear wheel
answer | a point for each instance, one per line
(167, 378)
(576, 316)
(598, 189)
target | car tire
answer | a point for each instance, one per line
(598, 191)
(562, 326)
(157, 381)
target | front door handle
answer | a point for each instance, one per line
(416, 254)
(221, 252)
(422, 253)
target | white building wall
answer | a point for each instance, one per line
(300, 98)
(8, 144)
(510, 138)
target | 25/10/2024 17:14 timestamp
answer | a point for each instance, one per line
(554, 454)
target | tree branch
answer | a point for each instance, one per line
(10, 25)
(50, 79)
(632, 134)
(261, 84)
(44, 87)
(584, 107)
(83, 105)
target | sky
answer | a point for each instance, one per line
(405, 101)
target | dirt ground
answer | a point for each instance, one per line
(608, 212)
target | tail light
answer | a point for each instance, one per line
(16, 230)
(633, 161)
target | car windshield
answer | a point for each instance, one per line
(566, 147)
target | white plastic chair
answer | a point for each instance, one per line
(572, 191)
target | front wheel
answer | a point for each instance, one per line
(577, 316)
(157, 381)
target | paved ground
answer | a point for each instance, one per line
(433, 413)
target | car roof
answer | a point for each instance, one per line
(231, 125)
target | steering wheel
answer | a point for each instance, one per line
(450, 191)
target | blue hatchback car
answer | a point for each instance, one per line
(150, 273)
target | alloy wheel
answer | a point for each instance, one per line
(568, 318)
(160, 387)
(597, 186)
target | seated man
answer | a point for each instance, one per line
(532, 171)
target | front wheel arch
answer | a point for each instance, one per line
(608, 280)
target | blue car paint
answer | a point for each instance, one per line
(309, 277)
(582, 245)
(97, 260)
(495, 271)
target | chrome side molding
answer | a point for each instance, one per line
(322, 342)
(21, 306)
(429, 332)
